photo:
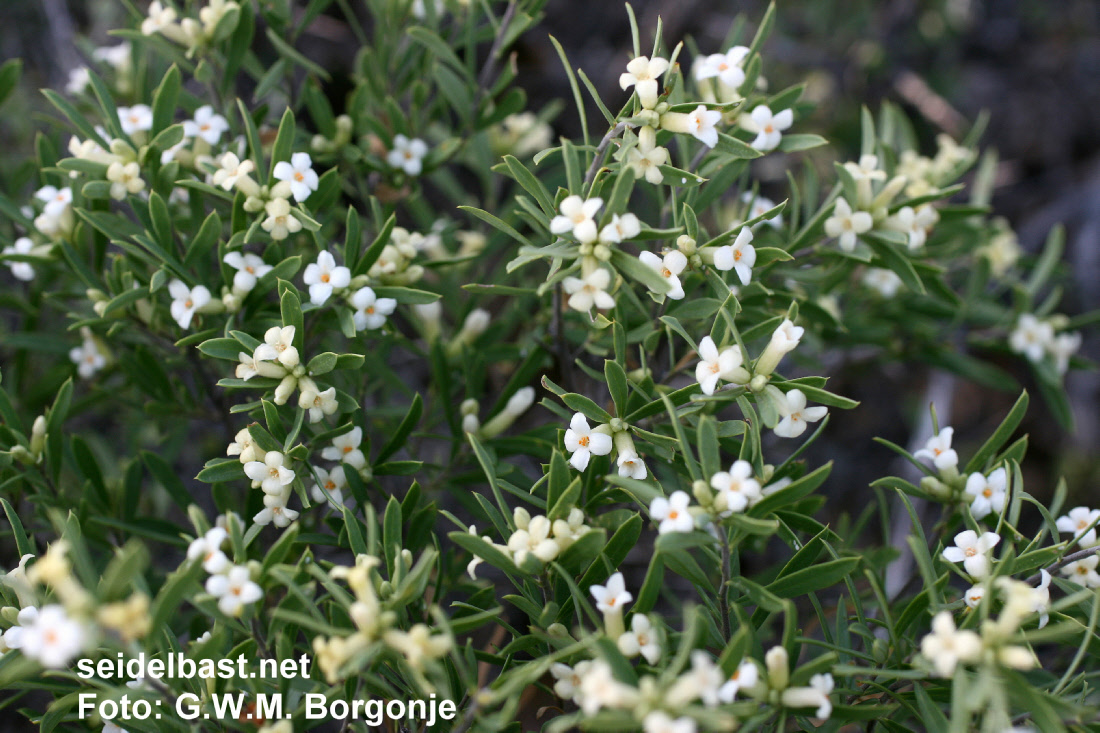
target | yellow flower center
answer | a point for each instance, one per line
(583, 441)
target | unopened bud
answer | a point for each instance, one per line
(686, 244)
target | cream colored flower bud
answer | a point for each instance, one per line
(778, 664)
(686, 244)
(285, 389)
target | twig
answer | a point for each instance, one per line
(1079, 555)
(601, 149)
(490, 66)
(723, 598)
(261, 647)
(559, 339)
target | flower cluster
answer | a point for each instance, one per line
(1037, 340)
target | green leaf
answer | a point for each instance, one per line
(1000, 436)
(221, 348)
(220, 470)
(588, 408)
(55, 434)
(813, 578)
(284, 141)
(532, 185)
(736, 148)
(9, 78)
(482, 549)
(633, 268)
(165, 99)
(792, 143)
(168, 478)
(23, 544)
(290, 307)
(617, 385)
(292, 54)
(323, 363)
(792, 492)
(397, 440)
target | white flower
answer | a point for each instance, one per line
(209, 549)
(118, 57)
(795, 415)
(737, 488)
(22, 270)
(885, 282)
(345, 448)
(124, 179)
(845, 224)
(600, 689)
(1064, 346)
(739, 256)
(88, 358)
(209, 126)
(135, 119)
(325, 276)
(814, 696)
(1078, 521)
(946, 646)
(583, 442)
(699, 123)
(577, 217)
(642, 73)
(785, 338)
(640, 640)
(659, 722)
(279, 346)
(646, 159)
(744, 677)
(621, 228)
(761, 206)
(57, 200)
(631, 466)
(584, 293)
(938, 449)
(914, 223)
(1031, 337)
(13, 637)
(233, 590)
(713, 365)
(79, 79)
(270, 473)
(243, 447)
(280, 222)
(249, 267)
(726, 67)
(52, 638)
(275, 510)
(370, 310)
(333, 482)
(318, 402)
(1083, 571)
(612, 597)
(569, 679)
(186, 301)
(974, 596)
(534, 539)
(407, 155)
(669, 267)
(672, 513)
(231, 169)
(702, 681)
(160, 17)
(973, 552)
(768, 127)
(988, 493)
(299, 173)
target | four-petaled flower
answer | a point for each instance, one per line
(589, 291)
(1031, 337)
(973, 552)
(947, 646)
(714, 365)
(249, 267)
(324, 276)
(1081, 522)
(642, 73)
(577, 217)
(186, 301)
(739, 256)
(767, 126)
(1083, 571)
(345, 448)
(988, 492)
(612, 597)
(672, 513)
(208, 125)
(299, 173)
(407, 155)
(938, 450)
(22, 270)
(278, 346)
(370, 310)
(631, 465)
(135, 119)
(584, 442)
(744, 677)
(641, 639)
(234, 590)
(845, 224)
(270, 473)
(669, 267)
(726, 67)
(795, 415)
(208, 549)
(736, 487)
